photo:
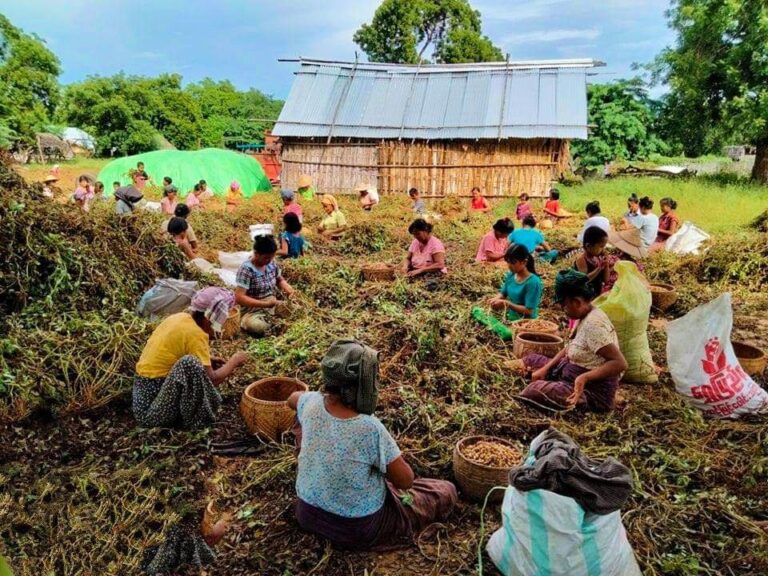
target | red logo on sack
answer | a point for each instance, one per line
(725, 380)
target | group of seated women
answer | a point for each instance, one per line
(352, 478)
(353, 485)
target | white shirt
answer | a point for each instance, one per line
(598, 221)
(648, 224)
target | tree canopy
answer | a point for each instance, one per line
(403, 31)
(128, 112)
(718, 72)
(29, 88)
(623, 121)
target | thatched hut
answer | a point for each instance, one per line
(51, 148)
(503, 126)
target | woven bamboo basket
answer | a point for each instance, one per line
(263, 406)
(475, 480)
(751, 358)
(537, 343)
(231, 325)
(378, 272)
(663, 296)
(544, 326)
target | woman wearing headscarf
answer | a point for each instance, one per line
(176, 376)
(352, 478)
(290, 205)
(127, 197)
(335, 222)
(586, 373)
(234, 196)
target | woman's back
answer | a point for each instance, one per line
(528, 237)
(342, 462)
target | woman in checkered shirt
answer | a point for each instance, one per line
(257, 283)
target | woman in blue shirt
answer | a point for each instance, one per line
(351, 474)
(291, 241)
(521, 291)
(533, 240)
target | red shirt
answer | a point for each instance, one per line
(479, 203)
(552, 206)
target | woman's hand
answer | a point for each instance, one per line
(578, 390)
(413, 273)
(498, 303)
(540, 374)
(239, 358)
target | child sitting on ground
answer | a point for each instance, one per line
(291, 240)
(593, 261)
(419, 207)
(552, 208)
(523, 207)
(177, 228)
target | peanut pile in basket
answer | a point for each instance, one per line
(537, 326)
(492, 454)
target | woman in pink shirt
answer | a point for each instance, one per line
(426, 253)
(494, 245)
(193, 198)
(290, 204)
(169, 202)
(84, 193)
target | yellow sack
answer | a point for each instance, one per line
(628, 305)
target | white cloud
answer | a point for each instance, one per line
(556, 35)
(512, 12)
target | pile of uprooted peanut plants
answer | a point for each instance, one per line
(85, 491)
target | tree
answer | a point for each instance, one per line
(229, 114)
(623, 120)
(29, 89)
(126, 112)
(718, 69)
(402, 31)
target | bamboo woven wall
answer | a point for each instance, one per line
(451, 168)
(335, 168)
(439, 168)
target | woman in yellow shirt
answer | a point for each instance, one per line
(176, 377)
(335, 222)
(234, 196)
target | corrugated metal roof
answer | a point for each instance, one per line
(546, 99)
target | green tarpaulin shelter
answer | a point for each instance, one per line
(217, 167)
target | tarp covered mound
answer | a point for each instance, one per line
(78, 137)
(217, 167)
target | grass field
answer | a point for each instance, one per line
(85, 491)
(713, 206)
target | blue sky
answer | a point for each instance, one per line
(241, 40)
